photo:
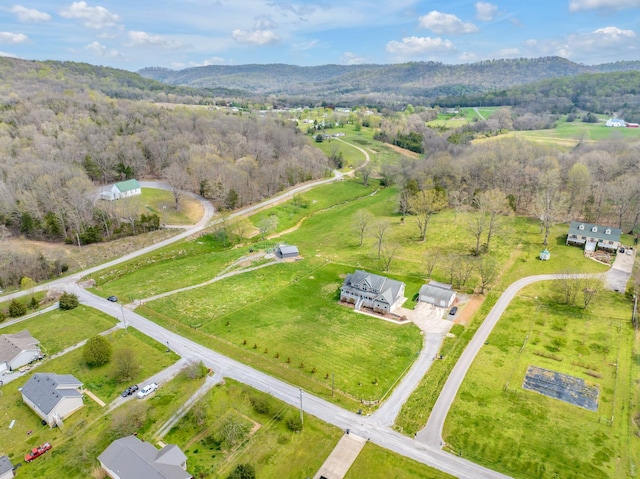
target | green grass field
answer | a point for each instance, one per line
(57, 330)
(374, 462)
(272, 448)
(162, 203)
(278, 311)
(495, 422)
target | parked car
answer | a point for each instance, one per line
(129, 391)
(629, 251)
(37, 452)
(148, 389)
(621, 250)
(113, 299)
(453, 311)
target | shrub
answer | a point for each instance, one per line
(294, 423)
(68, 301)
(243, 471)
(97, 351)
(17, 309)
(33, 304)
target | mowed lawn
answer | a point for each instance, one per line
(294, 326)
(497, 423)
(162, 203)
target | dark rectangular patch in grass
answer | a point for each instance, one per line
(561, 386)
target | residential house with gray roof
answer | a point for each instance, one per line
(372, 291)
(287, 251)
(131, 458)
(6, 468)
(53, 397)
(18, 349)
(592, 236)
(438, 294)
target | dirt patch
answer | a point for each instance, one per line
(469, 309)
(402, 151)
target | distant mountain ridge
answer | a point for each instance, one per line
(404, 80)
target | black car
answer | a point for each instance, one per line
(113, 299)
(129, 391)
(453, 311)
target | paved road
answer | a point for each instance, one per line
(431, 435)
(328, 412)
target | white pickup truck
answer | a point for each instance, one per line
(148, 389)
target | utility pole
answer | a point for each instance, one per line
(301, 414)
(634, 318)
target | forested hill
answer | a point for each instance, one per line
(427, 80)
(24, 76)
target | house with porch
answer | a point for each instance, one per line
(124, 189)
(592, 237)
(372, 291)
(53, 397)
(131, 458)
(6, 468)
(17, 350)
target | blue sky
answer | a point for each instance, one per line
(133, 34)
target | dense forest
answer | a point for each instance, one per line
(419, 83)
(59, 142)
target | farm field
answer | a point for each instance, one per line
(497, 423)
(266, 441)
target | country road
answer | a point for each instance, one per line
(363, 426)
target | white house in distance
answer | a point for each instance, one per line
(18, 349)
(124, 189)
(53, 397)
(438, 294)
(131, 458)
(615, 123)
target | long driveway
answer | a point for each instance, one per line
(431, 435)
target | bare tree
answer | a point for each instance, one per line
(178, 180)
(431, 258)
(365, 173)
(549, 206)
(379, 230)
(388, 252)
(424, 205)
(623, 194)
(591, 285)
(126, 364)
(361, 221)
(487, 269)
(492, 203)
(477, 224)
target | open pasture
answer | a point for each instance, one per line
(293, 326)
(496, 422)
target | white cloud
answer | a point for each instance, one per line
(255, 37)
(468, 57)
(348, 58)
(446, 23)
(209, 61)
(25, 14)
(101, 51)
(485, 11)
(509, 52)
(10, 55)
(92, 17)
(577, 5)
(143, 38)
(8, 37)
(412, 46)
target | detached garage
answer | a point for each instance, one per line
(286, 251)
(438, 294)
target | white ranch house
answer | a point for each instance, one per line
(124, 189)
